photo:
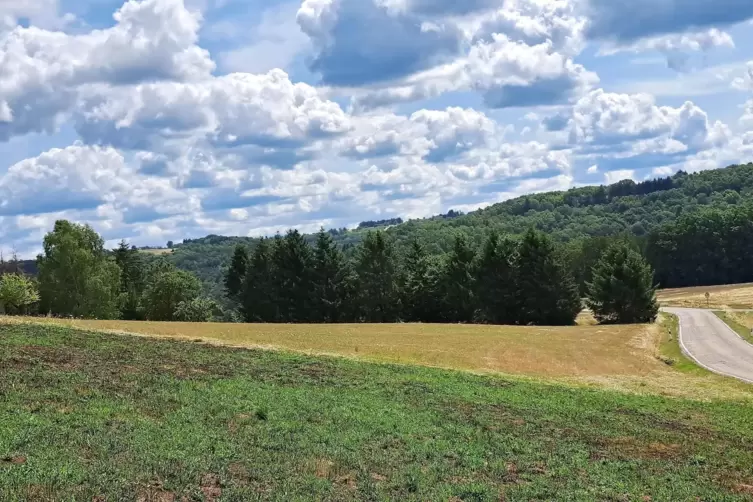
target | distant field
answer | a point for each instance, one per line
(623, 357)
(157, 252)
(95, 417)
(735, 296)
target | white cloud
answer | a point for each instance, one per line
(611, 119)
(593, 169)
(233, 111)
(615, 176)
(42, 71)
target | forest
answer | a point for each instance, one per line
(663, 218)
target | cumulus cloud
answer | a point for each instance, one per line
(603, 118)
(233, 111)
(43, 71)
(81, 178)
(510, 74)
(435, 135)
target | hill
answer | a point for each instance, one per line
(581, 217)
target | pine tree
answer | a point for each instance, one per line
(622, 290)
(293, 261)
(132, 281)
(259, 304)
(420, 287)
(496, 281)
(547, 291)
(377, 278)
(333, 282)
(458, 282)
(236, 274)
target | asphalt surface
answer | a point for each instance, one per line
(712, 344)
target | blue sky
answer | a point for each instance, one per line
(157, 120)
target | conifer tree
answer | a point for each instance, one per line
(622, 290)
(420, 286)
(548, 294)
(496, 281)
(293, 285)
(236, 273)
(333, 282)
(458, 282)
(132, 281)
(259, 304)
(377, 278)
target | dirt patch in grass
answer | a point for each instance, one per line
(630, 448)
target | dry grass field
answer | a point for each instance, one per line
(630, 358)
(156, 252)
(735, 296)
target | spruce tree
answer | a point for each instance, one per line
(458, 282)
(420, 286)
(333, 282)
(548, 294)
(259, 304)
(496, 281)
(622, 290)
(236, 274)
(132, 281)
(377, 278)
(293, 261)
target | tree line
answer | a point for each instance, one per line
(586, 220)
(523, 281)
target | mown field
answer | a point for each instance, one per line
(92, 416)
(734, 296)
(617, 357)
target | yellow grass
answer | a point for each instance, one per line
(157, 252)
(617, 357)
(742, 318)
(734, 296)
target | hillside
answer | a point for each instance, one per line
(624, 208)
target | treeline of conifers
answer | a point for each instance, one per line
(524, 281)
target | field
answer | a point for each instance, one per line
(630, 358)
(156, 251)
(91, 416)
(736, 296)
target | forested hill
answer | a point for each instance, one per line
(626, 207)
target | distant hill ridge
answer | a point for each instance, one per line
(625, 207)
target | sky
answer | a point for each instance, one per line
(157, 120)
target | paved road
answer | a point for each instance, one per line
(714, 345)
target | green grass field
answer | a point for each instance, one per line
(94, 417)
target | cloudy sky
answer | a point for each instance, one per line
(158, 120)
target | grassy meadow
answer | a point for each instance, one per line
(630, 358)
(94, 416)
(734, 296)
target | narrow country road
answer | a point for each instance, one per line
(714, 345)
